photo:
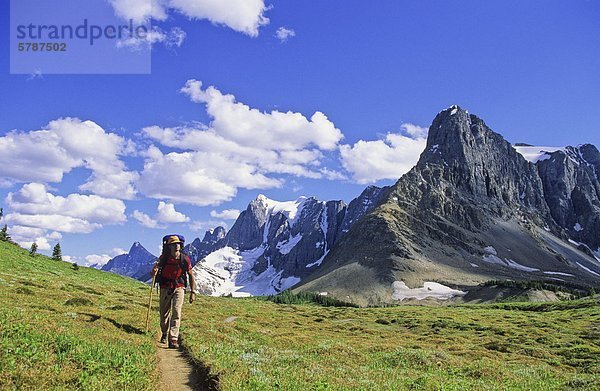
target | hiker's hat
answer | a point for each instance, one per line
(171, 239)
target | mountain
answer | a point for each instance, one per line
(137, 263)
(273, 245)
(473, 209)
(198, 249)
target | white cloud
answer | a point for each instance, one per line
(64, 144)
(241, 148)
(283, 34)
(34, 199)
(168, 214)
(165, 213)
(54, 222)
(25, 236)
(227, 214)
(98, 260)
(203, 226)
(172, 38)
(140, 10)
(145, 220)
(41, 241)
(117, 251)
(279, 131)
(370, 161)
(245, 16)
(37, 215)
(415, 131)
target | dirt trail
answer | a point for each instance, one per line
(177, 372)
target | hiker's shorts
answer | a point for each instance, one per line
(170, 311)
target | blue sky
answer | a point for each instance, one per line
(228, 110)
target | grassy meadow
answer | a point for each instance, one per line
(62, 328)
(256, 344)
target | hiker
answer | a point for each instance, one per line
(171, 271)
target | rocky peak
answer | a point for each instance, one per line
(214, 235)
(464, 151)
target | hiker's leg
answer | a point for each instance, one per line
(165, 309)
(178, 297)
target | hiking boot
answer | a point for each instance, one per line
(163, 339)
(173, 344)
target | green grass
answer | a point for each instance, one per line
(548, 346)
(81, 329)
(62, 328)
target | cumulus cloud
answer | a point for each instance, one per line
(227, 214)
(242, 147)
(172, 38)
(97, 260)
(283, 34)
(276, 130)
(25, 239)
(390, 158)
(46, 155)
(203, 226)
(117, 251)
(34, 199)
(165, 214)
(245, 16)
(37, 215)
(168, 214)
(145, 220)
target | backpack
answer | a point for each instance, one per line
(166, 274)
(173, 274)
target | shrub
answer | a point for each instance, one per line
(287, 297)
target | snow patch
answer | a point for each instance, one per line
(490, 250)
(491, 258)
(577, 227)
(537, 154)
(429, 289)
(287, 245)
(290, 209)
(574, 242)
(518, 266)
(474, 265)
(559, 274)
(587, 270)
(494, 259)
(228, 271)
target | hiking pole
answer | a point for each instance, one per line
(150, 301)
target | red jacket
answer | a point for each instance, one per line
(174, 272)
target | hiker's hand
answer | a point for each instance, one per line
(192, 296)
(155, 269)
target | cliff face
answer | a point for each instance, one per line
(473, 209)
(571, 181)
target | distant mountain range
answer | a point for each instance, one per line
(473, 209)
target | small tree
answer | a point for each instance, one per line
(33, 249)
(1, 213)
(75, 266)
(56, 253)
(4, 236)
